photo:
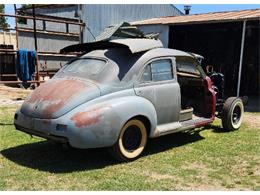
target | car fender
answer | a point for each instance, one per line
(99, 124)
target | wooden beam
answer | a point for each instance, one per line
(43, 18)
(17, 82)
(16, 25)
(48, 32)
(42, 31)
(43, 53)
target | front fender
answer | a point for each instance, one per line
(99, 124)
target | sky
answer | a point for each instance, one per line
(195, 9)
(205, 8)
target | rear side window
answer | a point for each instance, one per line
(187, 65)
(159, 70)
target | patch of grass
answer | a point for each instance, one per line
(205, 159)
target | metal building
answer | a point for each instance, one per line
(51, 36)
(98, 17)
(229, 41)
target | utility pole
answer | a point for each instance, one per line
(241, 57)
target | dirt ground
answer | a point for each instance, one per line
(12, 95)
(252, 120)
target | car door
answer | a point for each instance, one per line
(158, 83)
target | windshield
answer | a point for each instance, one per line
(83, 67)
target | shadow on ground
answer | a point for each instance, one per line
(50, 157)
(215, 128)
(253, 104)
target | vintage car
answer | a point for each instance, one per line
(121, 93)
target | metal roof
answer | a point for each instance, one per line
(47, 6)
(204, 18)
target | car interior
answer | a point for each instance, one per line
(193, 90)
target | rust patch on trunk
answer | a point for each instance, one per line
(55, 94)
(91, 117)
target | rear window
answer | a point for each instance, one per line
(84, 67)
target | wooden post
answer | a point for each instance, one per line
(36, 46)
(16, 34)
(241, 57)
(16, 27)
(80, 27)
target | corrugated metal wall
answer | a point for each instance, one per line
(162, 29)
(47, 42)
(98, 17)
(65, 12)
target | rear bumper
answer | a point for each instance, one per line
(47, 136)
(90, 136)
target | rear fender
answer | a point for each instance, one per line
(99, 125)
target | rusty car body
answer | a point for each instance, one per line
(122, 92)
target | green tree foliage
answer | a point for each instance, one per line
(3, 20)
(23, 13)
(25, 6)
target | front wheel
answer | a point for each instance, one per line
(131, 141)
(232, 114)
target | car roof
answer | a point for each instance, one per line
(168, 52)
(130, 63)
(156, 52)
(139, 45)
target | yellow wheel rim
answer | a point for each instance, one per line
(133, 153)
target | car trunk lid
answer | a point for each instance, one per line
(58, 96)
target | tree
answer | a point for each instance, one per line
(3, 20)
(26, 6)
(22, 12)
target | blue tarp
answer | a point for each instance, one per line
(25, 64)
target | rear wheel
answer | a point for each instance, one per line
(131, 141)
(232, 114)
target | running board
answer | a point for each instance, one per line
(174, 127)
(168, 128)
